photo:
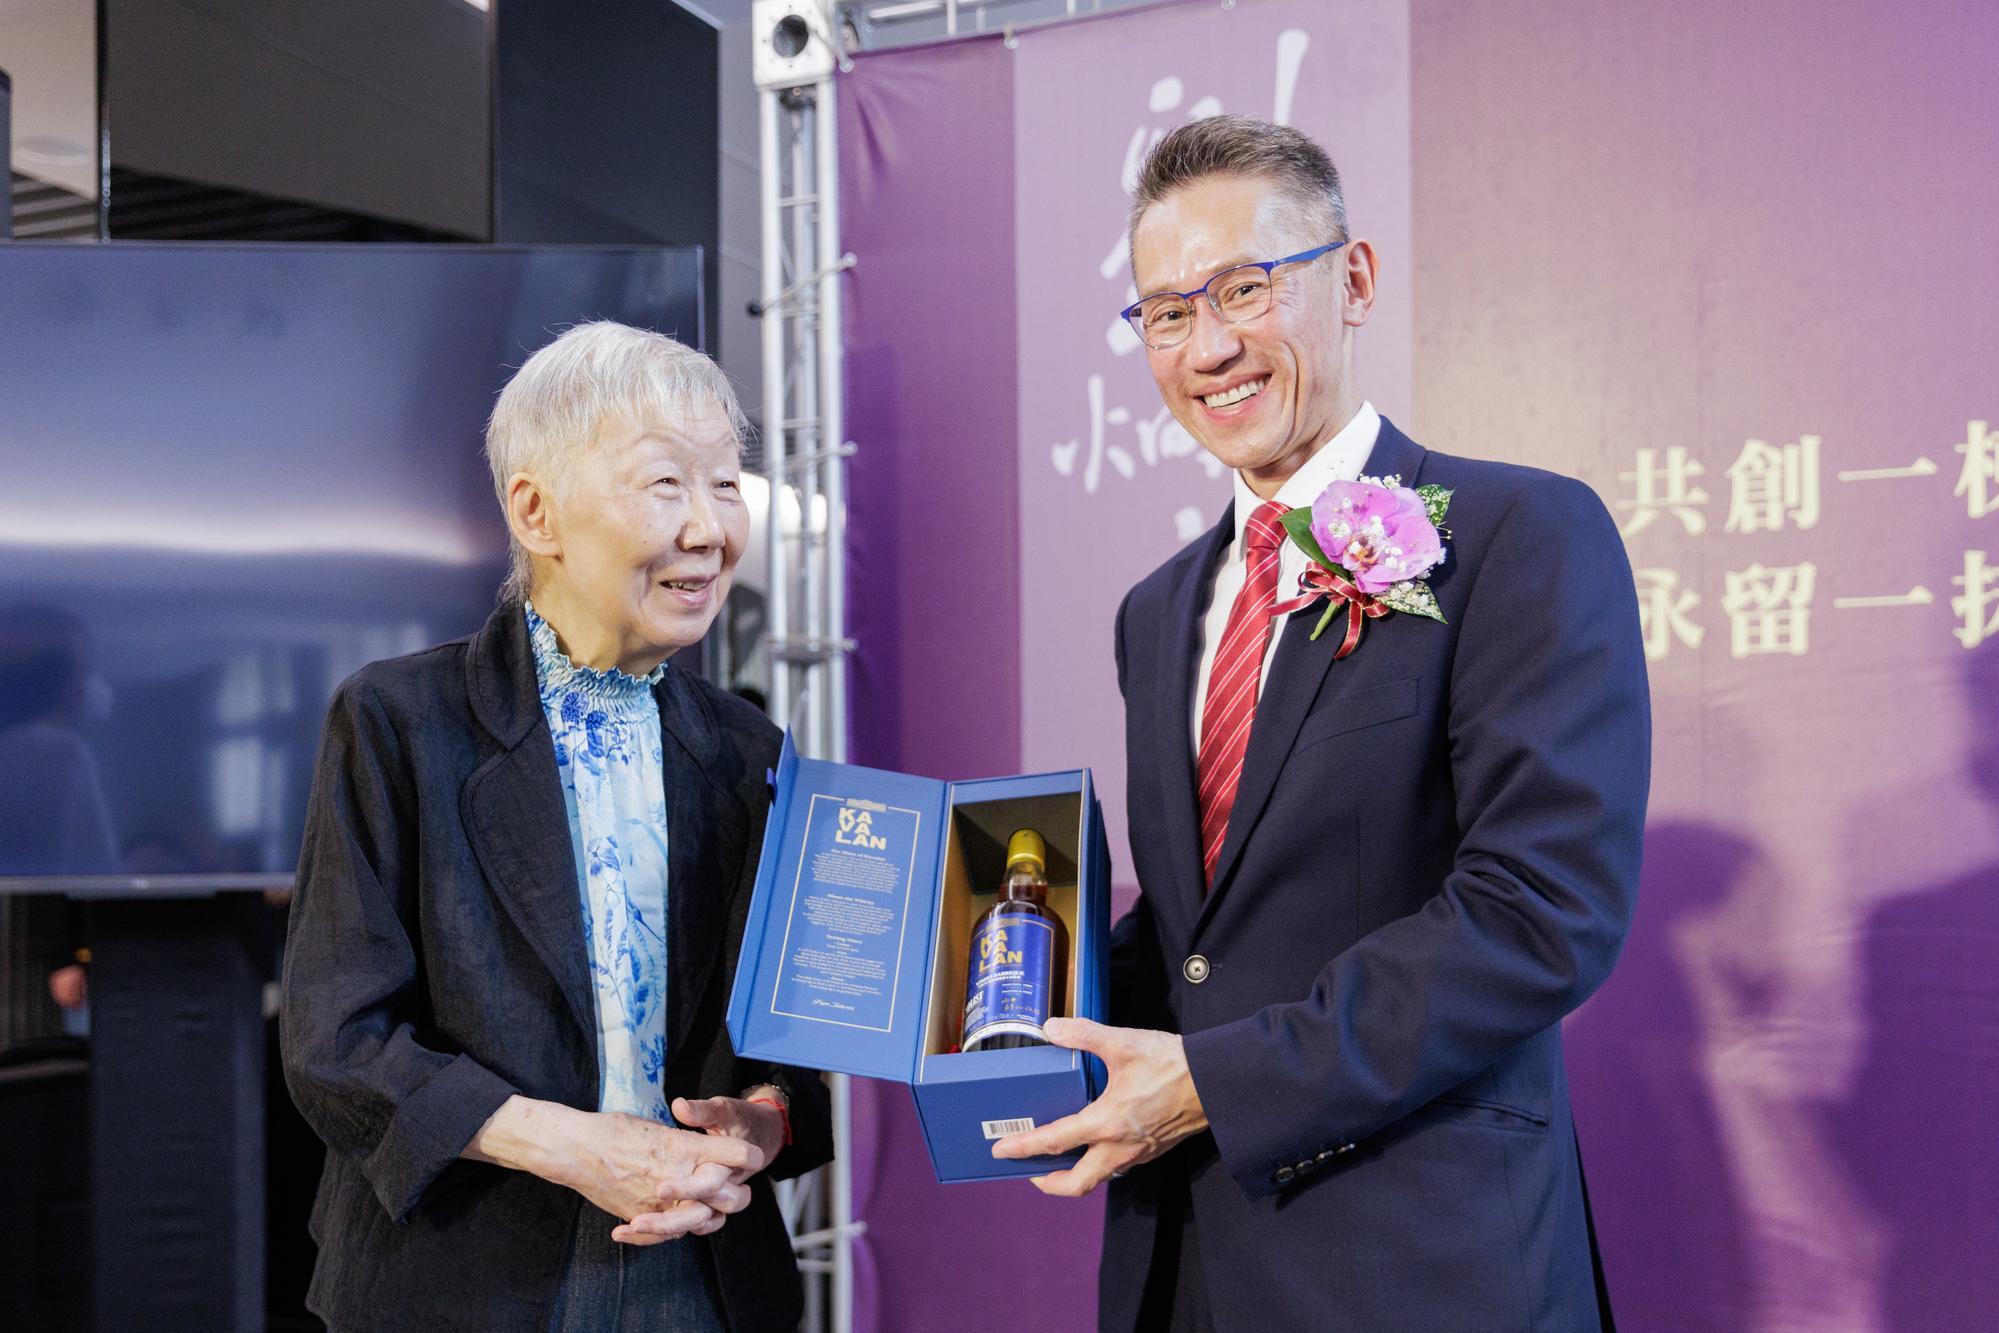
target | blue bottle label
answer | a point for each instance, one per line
(1009, 984)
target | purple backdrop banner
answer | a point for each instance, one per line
(1730, 264)
(1733, 265)
(926, 187)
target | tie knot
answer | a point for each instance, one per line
(1265, 531)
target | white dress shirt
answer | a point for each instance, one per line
(1338, 459)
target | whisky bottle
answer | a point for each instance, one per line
(1018, 965)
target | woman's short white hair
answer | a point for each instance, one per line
(555, 404)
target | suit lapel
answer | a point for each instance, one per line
(1172, 723)
(705, 842)
(1303, 674)
(515, 816)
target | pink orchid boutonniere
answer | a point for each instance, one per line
(1373, 544)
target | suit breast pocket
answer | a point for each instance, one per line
(1370, 707)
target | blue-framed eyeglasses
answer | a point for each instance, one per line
(1238, 295)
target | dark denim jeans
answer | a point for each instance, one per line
(614, 1288)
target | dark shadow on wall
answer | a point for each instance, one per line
(1667, 1208)
(1917, 1129)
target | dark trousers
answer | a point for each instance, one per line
(1176, 1292)
(615, 1288)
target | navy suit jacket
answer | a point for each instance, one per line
(1432, 858)
(436, 965)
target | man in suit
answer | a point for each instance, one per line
(1373, 883)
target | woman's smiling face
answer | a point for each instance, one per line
(647, 527)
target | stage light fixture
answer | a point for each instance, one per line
(796, 43)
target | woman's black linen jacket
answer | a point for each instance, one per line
(436, 964)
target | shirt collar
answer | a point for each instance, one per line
(615, 693)
(1338, 459)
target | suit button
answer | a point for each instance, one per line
(1195, 969)
(1285, 1175)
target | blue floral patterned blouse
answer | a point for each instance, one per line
(607, 748)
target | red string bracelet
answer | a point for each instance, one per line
(783, 1113)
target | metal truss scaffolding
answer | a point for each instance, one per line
(805, 455)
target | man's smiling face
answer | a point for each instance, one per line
(1262, 395)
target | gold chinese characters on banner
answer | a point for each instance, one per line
(1774, 489)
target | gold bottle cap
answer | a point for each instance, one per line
(1026, 845)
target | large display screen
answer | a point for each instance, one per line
(229, 476)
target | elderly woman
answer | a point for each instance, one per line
(526, 866)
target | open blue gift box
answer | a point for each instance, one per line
(854, 954)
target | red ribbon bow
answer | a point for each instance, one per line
(1317, 581)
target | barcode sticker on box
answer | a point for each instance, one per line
(999, 1129)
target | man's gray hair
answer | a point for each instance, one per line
(561, 397)
(1244, 146)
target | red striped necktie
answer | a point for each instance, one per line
(1234, 681)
